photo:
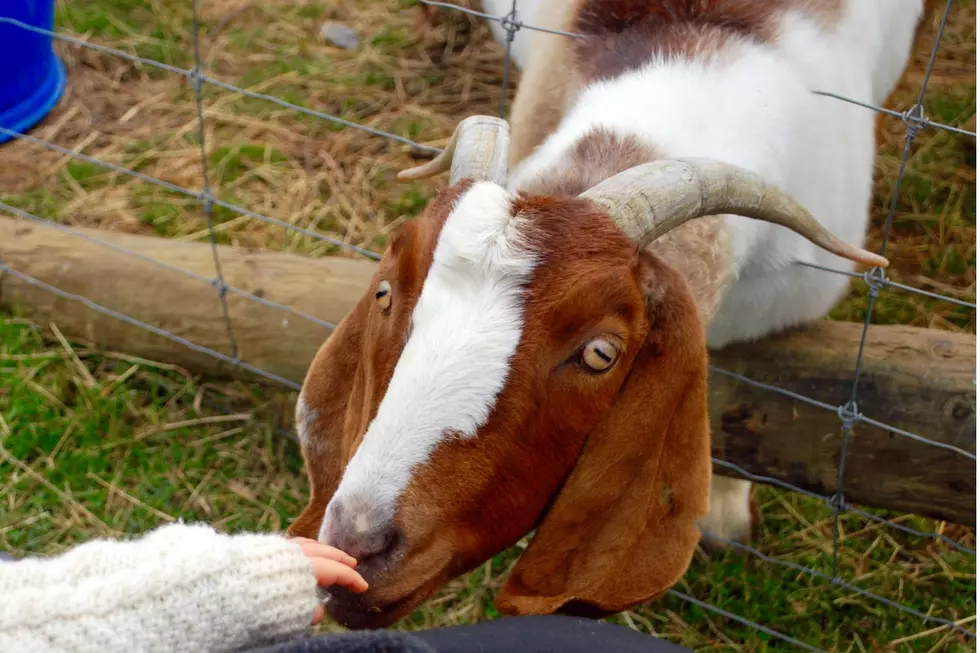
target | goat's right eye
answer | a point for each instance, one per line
(383, 295)
(600, 355)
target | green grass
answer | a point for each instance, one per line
(104, 451)
(104, 18)
(152, 29)
(228, 164)
(96, 444)
(933, 235)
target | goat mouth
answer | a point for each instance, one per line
(360, 612)
(370, 617)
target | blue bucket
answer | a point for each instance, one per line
(32, 78)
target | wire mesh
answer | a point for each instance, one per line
(849, 413)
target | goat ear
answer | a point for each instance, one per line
(328, 441)
(622, 528)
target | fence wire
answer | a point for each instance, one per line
(849, 413)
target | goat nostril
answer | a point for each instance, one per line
(366, 545)
(386, 543)
(359, 529)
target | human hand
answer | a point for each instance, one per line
(331, 566)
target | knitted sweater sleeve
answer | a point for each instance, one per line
(179, 588)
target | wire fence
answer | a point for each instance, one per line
(849, 413)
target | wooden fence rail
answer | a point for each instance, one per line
(917, 380)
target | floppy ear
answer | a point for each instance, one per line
(328, 395)
(622, 528)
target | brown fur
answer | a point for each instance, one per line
(559, 442)
(624, 34)
(622, 527)
(698, 249)
(598, 155)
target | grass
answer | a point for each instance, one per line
(98, 443)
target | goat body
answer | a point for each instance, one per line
(524, 360)
(726, 95)
(730, 80)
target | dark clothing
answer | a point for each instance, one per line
(369, 641)
(534, 634)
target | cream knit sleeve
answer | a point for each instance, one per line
(180, 588)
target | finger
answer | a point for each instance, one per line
(344, 576)
(318, 614)
(312, 549)
(330, 572)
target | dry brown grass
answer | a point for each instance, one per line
(341, 181)
(266, 158)
(97, 443)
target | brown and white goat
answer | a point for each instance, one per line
(532, 353)
(729, 80)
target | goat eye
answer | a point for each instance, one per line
(383, 295)
(599, 355)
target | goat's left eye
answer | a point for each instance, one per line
(600, 355)
(383, 295)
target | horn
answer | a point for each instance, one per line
(651, 199)
(477, 150)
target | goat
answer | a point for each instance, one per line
(532, 353)
(583, 98)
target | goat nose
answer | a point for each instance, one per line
(359, 533)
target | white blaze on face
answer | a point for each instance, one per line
(466, 327)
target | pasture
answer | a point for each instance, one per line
(101, 443)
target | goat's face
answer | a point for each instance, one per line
(516, 364)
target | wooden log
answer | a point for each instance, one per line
(916, 380)
(270, 339)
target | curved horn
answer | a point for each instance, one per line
(649, 200)
(477, 150)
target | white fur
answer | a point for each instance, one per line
(752, 105)
(305, 418)
(731, 516)
(467, 324)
